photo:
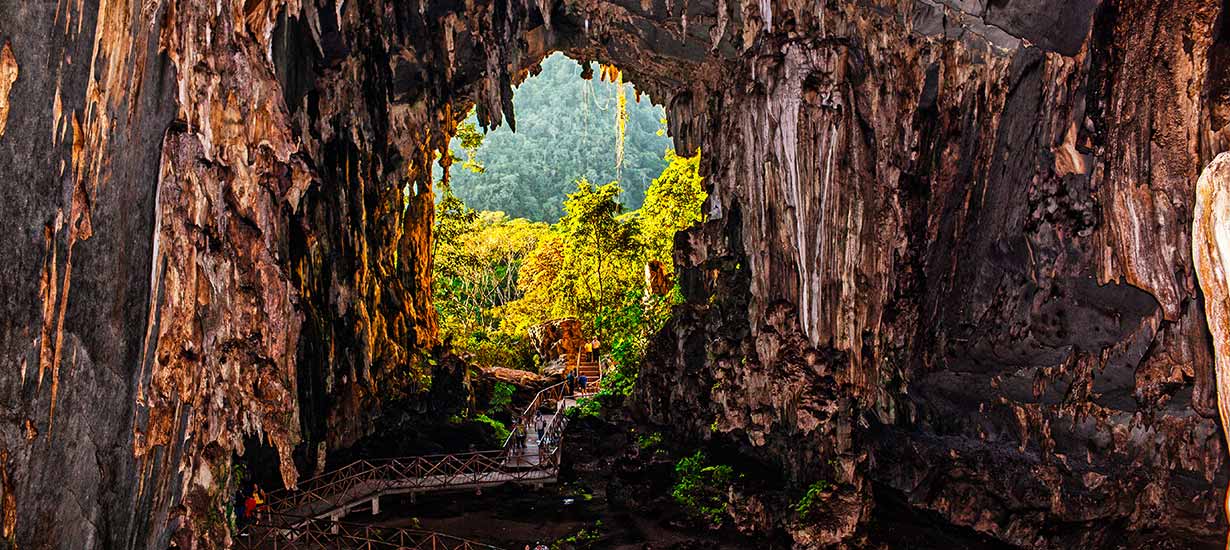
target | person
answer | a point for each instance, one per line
(249, 507)
(584, 383)
(521, 436)
(570, 380)
(238, 507)
(540, 546)
(258, 499)
(542, 427)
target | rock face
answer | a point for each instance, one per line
(955, 263)
(1211, 255)
(557, 339)
(947, 250)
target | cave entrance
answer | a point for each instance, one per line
(554, 241)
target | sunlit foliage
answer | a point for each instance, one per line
(700, 487)
(478, 257)
(672, 204)
(497, 277)
(469, 139)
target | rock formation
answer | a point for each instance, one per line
(1211, 255)
(558, 339)
(959, 268)
(947, 249)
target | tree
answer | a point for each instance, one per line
(567, 129)
(496, 276)
(469, 139)
(672, 204)
(478, 257)
(602, 258)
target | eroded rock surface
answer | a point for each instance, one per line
(958, 267)
(947, 250)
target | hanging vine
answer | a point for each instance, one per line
(612, 74)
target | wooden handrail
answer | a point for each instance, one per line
(276, 530)
(361, 480)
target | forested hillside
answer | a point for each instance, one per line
(566, 130)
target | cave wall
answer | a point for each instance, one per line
(226, 241)
(946, 248)
(949, 251)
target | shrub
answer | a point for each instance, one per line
(501, 431)
(629, 328)
(649, 441)
(585, 538)
(585, 407)
(815, 491)
(501, 395)
(701, 488)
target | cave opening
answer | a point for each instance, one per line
(560, 231)
(391, 366)
(572, 122)
(550, 247)
(223, 225)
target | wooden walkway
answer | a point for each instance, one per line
(271, 533)
(312, 513)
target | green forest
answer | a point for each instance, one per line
(566, 130)
(496, 276)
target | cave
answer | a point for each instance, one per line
(947, 260)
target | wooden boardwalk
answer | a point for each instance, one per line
(312, 513)
(325, 534)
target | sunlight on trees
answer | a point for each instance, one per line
(495, 276)
(470, 139)
(477, 258)
(672, 204)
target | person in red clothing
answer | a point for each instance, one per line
(249, 507)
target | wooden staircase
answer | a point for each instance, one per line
(591, 369)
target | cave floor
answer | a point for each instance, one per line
(627, 514)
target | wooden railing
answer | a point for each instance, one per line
(272, 531)
(552, 396)
(365, 479)
(370, 478)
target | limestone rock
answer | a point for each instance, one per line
(947, 252)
